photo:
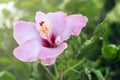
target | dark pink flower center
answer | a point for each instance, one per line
(48, 40)
(51, 43)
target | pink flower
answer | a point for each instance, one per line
(44, 39)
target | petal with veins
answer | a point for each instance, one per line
(24, 31)
(29, 51)
(48, 61)
(58, 22)
(41, 17)
(52, 52)
(74, 25)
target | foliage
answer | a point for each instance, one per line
(94, 55)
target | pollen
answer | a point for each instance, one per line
(44, 28)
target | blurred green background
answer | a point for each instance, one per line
(94, 55)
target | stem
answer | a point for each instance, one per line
(75, 71)
(61, 75)
(49, 72)
(56, 71)
(72, 68)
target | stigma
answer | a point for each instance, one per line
(44, 29)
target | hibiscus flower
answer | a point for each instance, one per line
(45, 38)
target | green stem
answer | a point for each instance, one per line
(71, 68)
(49, 72)
(56, 71)
(61, 75)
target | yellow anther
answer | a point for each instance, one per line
(44, 29)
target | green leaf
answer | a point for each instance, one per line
(114, 14)
(100, 29)
(87, 71)
(98, 74)
(4, 75)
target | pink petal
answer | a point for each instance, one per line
(74, 25)
(52, 52)
(24, 31)
(40, 16)
(48, 61)
(58, 22)
(29, 51)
